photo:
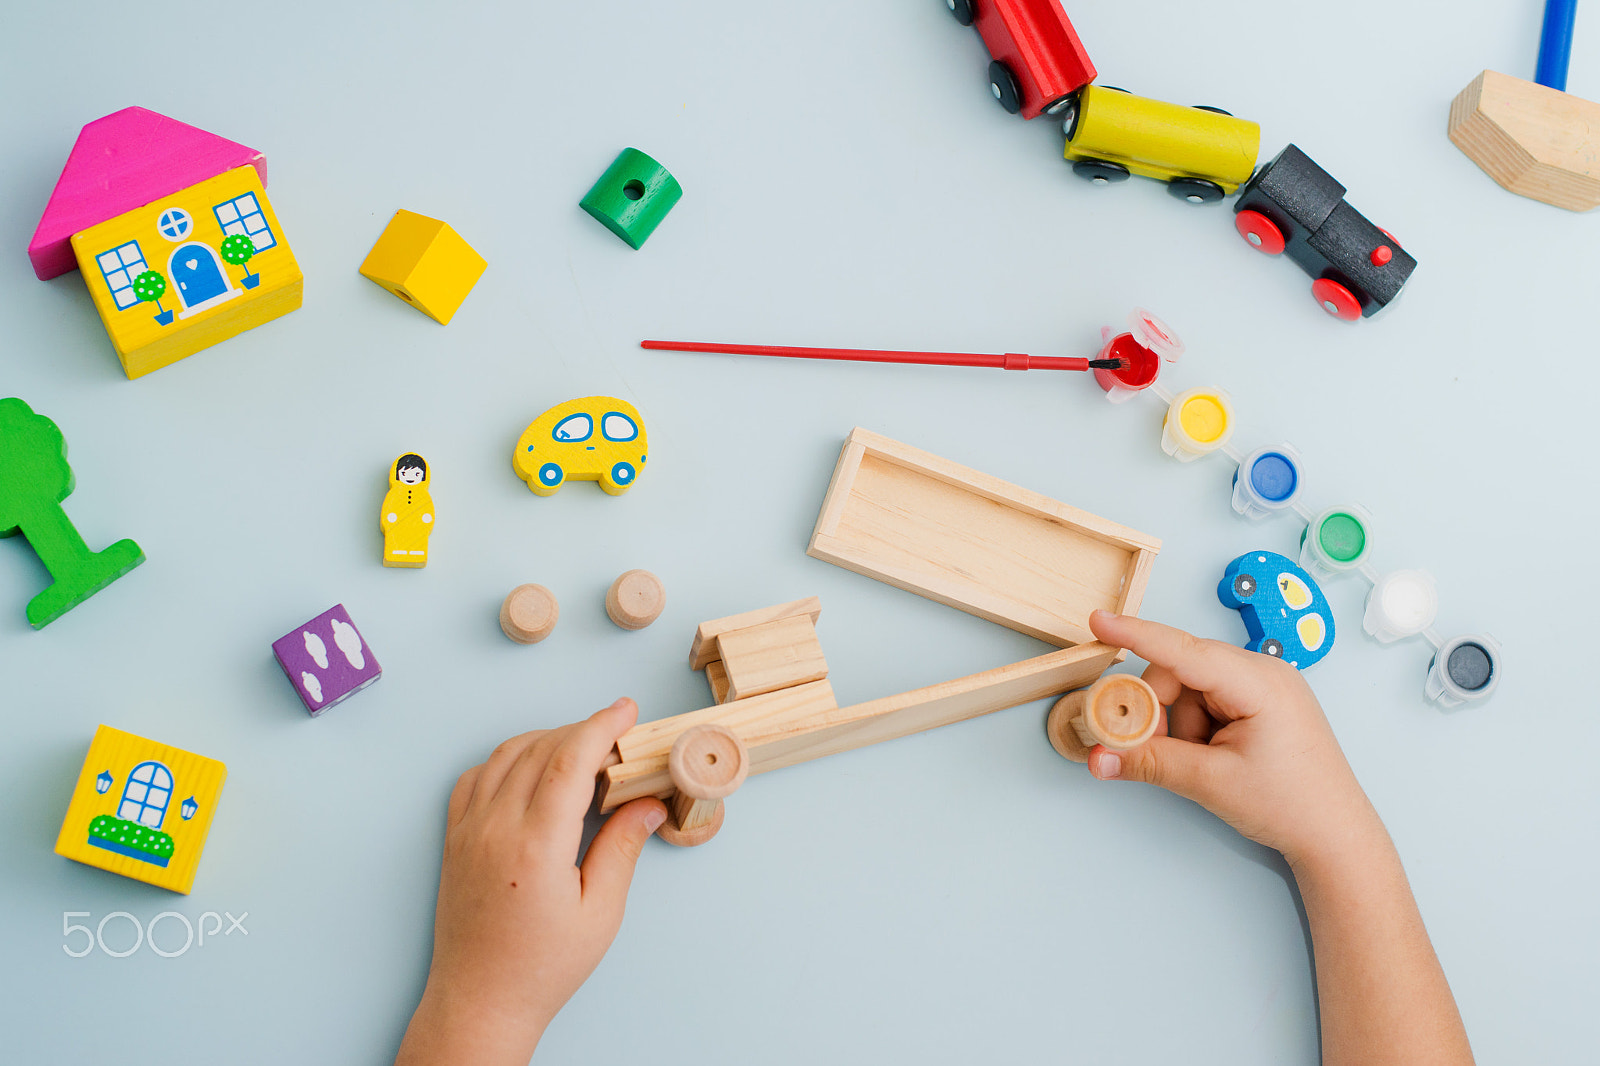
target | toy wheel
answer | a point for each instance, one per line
(551, 476)
(1337, 300)
(1058, 105)
(1195, 190)
(1004, 86)
(1213, 110)
(1244, 586)
(1273, 648)
(1099, 171)
(961, 9)
(1262, 233)
(1114, 88)
(623, 474)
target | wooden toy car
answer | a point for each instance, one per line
(1202, 153)
(1038, 61)
(594, 438)
(1294, 206)
(1283, 609)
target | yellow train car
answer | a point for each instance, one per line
(1202, 153)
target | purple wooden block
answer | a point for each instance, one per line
(326, 659)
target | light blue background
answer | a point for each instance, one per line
(848, 181)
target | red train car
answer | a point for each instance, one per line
(1038, 61)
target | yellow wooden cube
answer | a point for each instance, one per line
(142, 809)
(425, 263)
(163, 275)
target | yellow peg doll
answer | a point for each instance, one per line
(407, 513)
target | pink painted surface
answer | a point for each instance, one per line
(124, 161)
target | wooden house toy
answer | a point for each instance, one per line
(174, 234)
(326, 660)
(34, 480)
(425, 263)
(1533, 137)
(142, 809)
(594, 438)
(407, 517)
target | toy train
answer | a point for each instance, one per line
(1203, 154)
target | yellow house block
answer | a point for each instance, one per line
(425, 263)
(189, 270)
(142, 809)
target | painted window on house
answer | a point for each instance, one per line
(243, 214)
(145, 797)
(174, 224)
(120, 266)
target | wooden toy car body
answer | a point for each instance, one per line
(1038, 61)
(1295, 207)
(595, 438)
(1283, 608)
(1202, 153)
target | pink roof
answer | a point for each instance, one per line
(121, 162)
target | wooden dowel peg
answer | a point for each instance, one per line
(529, 613)
(635, 599)
(706, 764)
(1119, 711)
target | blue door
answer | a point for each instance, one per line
(197, 274)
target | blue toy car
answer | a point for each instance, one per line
(1284, 611)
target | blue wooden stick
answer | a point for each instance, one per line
(1555, 43)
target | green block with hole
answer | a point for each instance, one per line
(633, 196)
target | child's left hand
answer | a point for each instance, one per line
(520, 926)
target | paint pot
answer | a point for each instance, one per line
(1267, 481)
(1198, 422)
(1338, 539)
(1463, 669)
(1401, 604)
(1147, 343)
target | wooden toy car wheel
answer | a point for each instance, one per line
(1099, 171)
(1004, 86)
(1273, 648)
(1195, 190)
(1337, 300)
(1262, 233)
(961, 9)
(1244, 586)
(1058, 105)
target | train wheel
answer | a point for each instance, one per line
(1262, 233)
(1099, 171)
(1058, 105)
(1004, 86)
(1337, 300)
(1213, 110)
(961, 9)
(1195, 190)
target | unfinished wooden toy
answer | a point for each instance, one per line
(706, 764)
(407, 520)
(425, 263)
(869, 499)
(595, 438)
(158, 215)
(635, 599)
(632, 197)
(1118, 712)
(529, 614)
(141, 809)
(1532, 137)
(326, 660)
(34, 480)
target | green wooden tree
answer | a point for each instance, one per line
(239, 250)
(150, 287)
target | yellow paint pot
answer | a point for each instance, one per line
(1198, 422)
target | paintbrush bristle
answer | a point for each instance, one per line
(1109, 364)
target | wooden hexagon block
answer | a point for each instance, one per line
(1536, 141)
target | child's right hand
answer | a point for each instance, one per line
(1243, 736)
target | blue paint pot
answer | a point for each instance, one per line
(1267, 481)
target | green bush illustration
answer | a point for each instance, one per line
(239, 250)
(128, 834)
(150, 287)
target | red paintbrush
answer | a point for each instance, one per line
(1008, 361)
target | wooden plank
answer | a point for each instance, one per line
(976, 543)
(786, 740)
(753, 718)
(717, 678)
(771, 656)
(704, 648)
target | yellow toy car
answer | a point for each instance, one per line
(1202, 153)
(596, 438)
